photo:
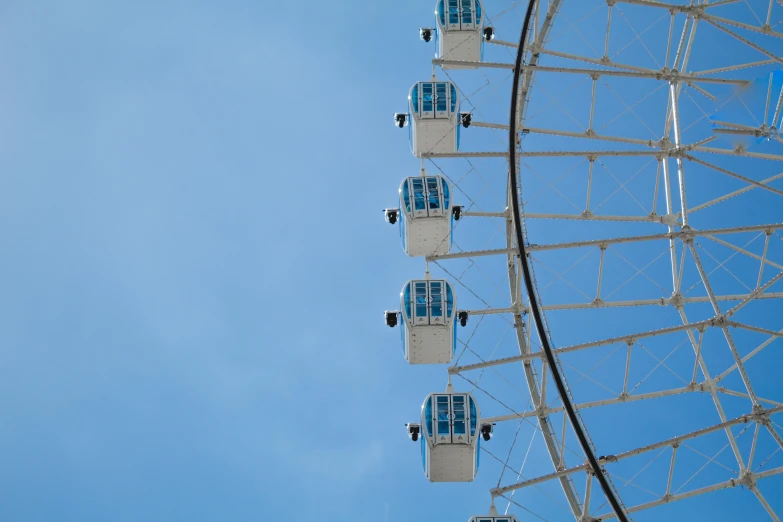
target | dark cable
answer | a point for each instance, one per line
(534, 307)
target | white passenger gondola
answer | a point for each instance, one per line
(494, 518)
(450, 430)
(460, 33)
(427, 211)
(435, 118)
(429, 314)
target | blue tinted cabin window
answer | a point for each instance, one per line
(426, 97)
(446, 195)
(423, 454)
(406, 196)
(478, 11)
(443, 415)
(478, 453)
(421, 299)
(415, 98)
(473, 417)
(418, 194)
(406, 296)
(410, 133)
(458, 403)
(453, 11)
(433, 193)
(441, 12)
(402, 336)
(442, 100)
(436, 298)
(428, 416)
(402, 232)
(453, 97)
(449, 300)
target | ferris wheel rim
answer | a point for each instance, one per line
(542, 35)
(533, 298)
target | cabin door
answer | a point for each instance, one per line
(442, 100)
(452, 15)
(451, 419)
(421, 316)
(427, 100)
(467, 15)
(435, 207)
(460, 15)
(419, 191)
(436, 302)
(460, 420)
(442, 419)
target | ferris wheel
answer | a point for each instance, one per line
(600, 211)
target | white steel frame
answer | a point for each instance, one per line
(679, 237)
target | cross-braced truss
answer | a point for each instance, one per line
(651, 190)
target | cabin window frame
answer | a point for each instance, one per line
(433, 100)
(450, 418)
(459, 15)
(419, 193)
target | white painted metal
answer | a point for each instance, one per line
(496, 518)
(686, 235)
(434, 112)
(459, 32)
(450, 439)
(460, 46)
(426, 215)
(428, 321)
(428, 237)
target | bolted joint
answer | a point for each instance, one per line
(669, 219)
(747, 479)
(686, 235)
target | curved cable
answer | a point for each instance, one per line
(534, 306)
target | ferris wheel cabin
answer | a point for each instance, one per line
(460, 34)
(426, 211)
(429, 335)
(450, 430)
(434, 118)
(495, 518)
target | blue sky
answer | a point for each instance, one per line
(194, 263)
(187, 331)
